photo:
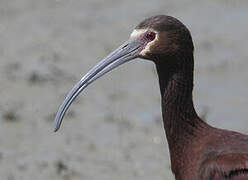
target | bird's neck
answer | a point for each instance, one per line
(181, 122)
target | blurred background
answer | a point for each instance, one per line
(114, 129)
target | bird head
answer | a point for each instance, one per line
(155, 37)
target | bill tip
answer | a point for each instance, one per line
(56, 127)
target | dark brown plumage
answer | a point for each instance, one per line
(198, 151)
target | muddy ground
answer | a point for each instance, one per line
(114, 130)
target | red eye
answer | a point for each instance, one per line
(150, 36)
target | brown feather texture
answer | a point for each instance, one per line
(198, 151)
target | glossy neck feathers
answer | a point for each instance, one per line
(181, 122)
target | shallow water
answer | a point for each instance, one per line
(114, 129)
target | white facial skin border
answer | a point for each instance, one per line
(137, 32)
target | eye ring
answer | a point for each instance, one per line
(150, 35)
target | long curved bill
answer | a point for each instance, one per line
(126, 52)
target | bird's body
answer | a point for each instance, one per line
(198, 151)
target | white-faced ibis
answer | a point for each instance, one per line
(198, 151)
